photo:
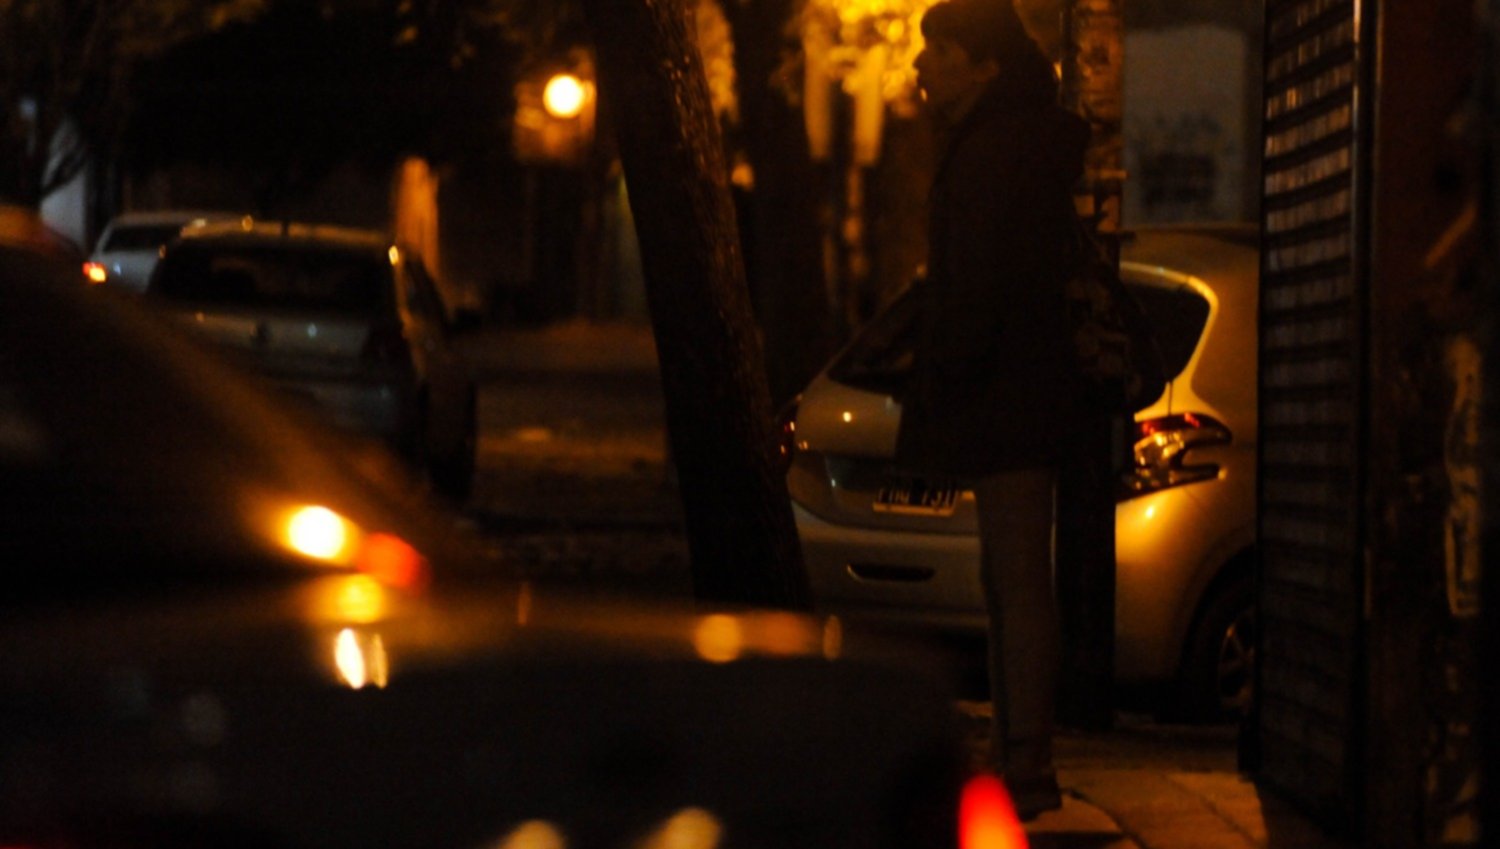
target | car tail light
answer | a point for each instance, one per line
(386, 344)
(987, 817)
(95, 272)
(786, 436)
(1161, 452)
(392, 561)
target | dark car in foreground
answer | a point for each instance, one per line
(224, 626)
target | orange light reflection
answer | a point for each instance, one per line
(987, 818)
(534, 834)
(719, 638)
(361, 660)
(392, 561)
(689, 828)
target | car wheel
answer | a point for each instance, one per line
(453, 471)
(1217, 678)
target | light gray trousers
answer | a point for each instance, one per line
(1015, 511)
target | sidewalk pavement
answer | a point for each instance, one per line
(1142, 785)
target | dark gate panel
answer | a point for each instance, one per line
(1313, 298)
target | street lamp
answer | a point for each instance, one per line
(554, 138)
(564, 96)
(554, 120)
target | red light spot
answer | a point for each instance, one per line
(987, 818)
(392, 561)
(95, 272)
(1191, 419)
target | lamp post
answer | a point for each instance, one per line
(554, 121)
(554, 137)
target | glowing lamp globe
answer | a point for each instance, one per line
(564, 96)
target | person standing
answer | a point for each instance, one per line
(993, 373)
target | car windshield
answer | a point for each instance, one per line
(879, 358)
(144, 237)
(344, 281)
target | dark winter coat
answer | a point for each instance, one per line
(992, 374)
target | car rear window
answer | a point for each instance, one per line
(1178, 316)
(345, 281)
(879, 358)
(141, 238)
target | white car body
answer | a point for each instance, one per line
(131, 244)
(1174, 545)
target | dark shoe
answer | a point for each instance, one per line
(1034, 795)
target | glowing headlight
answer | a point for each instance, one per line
(321, 534)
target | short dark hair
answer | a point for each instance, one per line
(991, 29)
(985, 29)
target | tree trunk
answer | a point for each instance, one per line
(741, 535)
(785, 253)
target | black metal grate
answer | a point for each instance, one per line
(1312, 306)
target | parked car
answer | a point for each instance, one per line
(343, 318)
(883, 545)
(222, 625)
(132, 242)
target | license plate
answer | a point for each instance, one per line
(917, 497)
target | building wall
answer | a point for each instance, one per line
(1188, 139)
(1425, 501)
(66, 210)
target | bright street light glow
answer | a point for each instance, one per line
(564, 96)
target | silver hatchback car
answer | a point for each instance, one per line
(1185, 515)
(340, 317)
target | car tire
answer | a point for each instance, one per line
(452, 472)
(1217, 677)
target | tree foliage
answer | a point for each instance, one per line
(299, 91)
(65, 71)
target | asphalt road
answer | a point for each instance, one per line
(573, 483)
